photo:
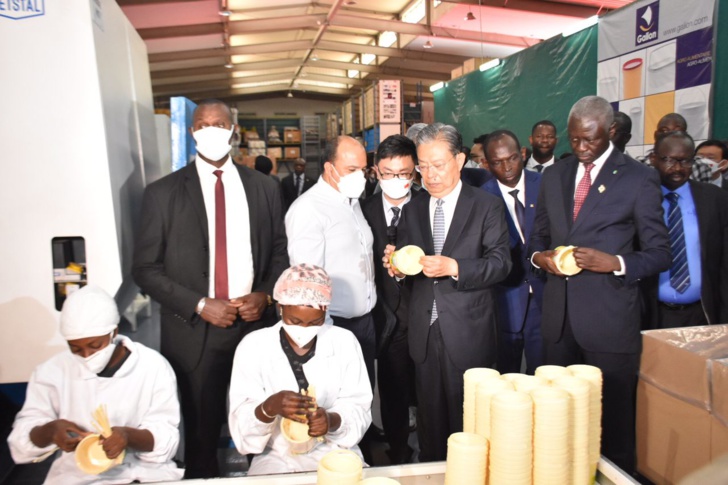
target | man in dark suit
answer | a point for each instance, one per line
(519, 296)
(395, 167)
(296, 183)
(715, 154)
(694, 291)
(452, 327)
(609, 206)
(210, 247)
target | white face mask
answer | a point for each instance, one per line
(351, 185)
(395, 188)
(301, 335)
(212, 142)
(98, 361)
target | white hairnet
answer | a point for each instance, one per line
(303, 285)
(88, 312)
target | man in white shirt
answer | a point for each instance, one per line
(325, 227)
(543, 142)
(210, 247)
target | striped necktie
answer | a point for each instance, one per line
(679, 271)
(438, 240)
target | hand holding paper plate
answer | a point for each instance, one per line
(90, 455)
(407, 260)
(565, 261)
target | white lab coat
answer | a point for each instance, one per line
(261, 369)
(142, 394)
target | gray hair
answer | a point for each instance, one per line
(414, 130)
(441, 132)
(593, 108)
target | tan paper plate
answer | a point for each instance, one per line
(565, 262)
(407, 260)
(91, 457)
(297, 435)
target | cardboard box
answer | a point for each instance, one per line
(292, 135)
(456, 73)
(274, 152)
(292, 153)
(469, 66)
(681, 401)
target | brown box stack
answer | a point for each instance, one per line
(679, 425)
(292, 153)
(291, 135)
(274, 152)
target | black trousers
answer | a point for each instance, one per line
(363, 329)
(203, 396)
(439, 384)
(396, 376)
(511, 346)
(671, 316)
(619, 373)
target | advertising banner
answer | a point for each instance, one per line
(655, 57)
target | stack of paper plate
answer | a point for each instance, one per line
(527, 383)
(578, 388)
(339, 467)
(471, 379)
(511, 453)
(483, 396)
(551, 372)
(467, 459)
(407, 260)
(593, 375)
(551, 437)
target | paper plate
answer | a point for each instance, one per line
(297, 435)
(407, 260)
(91, 457)
(565, 262)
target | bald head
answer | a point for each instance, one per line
(343, 156)
(213, 105)
(670, 123)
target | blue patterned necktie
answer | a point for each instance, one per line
(438, 240)
(679, 271)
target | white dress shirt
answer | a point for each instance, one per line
(531, 164)
(448, 207)
(142, 394)
(388, 213)
(261, 369)
(237, 217)
(511, 203)
(328, 229)
(598, 164)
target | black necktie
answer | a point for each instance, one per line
(539, 168)
(395, 216)
(298, 185)
(520, 209)
(392, 228)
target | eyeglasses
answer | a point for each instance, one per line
(435, 167)
(401, 176)
(670, 162)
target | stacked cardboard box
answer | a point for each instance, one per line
(682, 401)
(291, 135)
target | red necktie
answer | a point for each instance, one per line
(582, 189)
(221, 266)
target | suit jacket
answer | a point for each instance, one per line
(475, 177)
(171, 256)
(289, 189)
(622, 215)
(711, 206)
(478, 240)
(392, 298)
(513, 292)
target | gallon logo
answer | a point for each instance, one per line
(21, 9)
(647, 20)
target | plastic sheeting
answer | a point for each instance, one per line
(183, 145)
(541, 82)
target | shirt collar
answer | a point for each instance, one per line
(207, 169)
(388, 206)
(452, 196)
(328, 191)
(683, 191)
(599, 162)
(521, 185)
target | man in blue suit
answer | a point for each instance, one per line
(519, 296)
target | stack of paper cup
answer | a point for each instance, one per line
(527, 383)
(511, 452)
(467, 459)
(578, 388)
(486, 390)
(551, 372)
(471, 379)
(551, 436)
(593, 375)
(339, 467)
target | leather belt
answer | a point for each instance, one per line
(673, 306)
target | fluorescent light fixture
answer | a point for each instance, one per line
(229, 65)
(491, 63)
(437, 86)
(289, 95)
(368, 58)
(225, 13)
(427, 45)
(580, 25)
(387, 38)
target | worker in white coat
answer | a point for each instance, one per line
(274, 365)
(136, 384)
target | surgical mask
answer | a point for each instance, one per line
(98, 361)
(352, 185)
(212, 142)
(395, 188)
(301, 335)
(714, 166)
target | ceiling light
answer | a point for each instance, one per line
(490, 64)
(437, 86)
(314, 57)
(289, 95)
(229, 65)
(225, 13)
(427, 45)
(470, 16)
(580, 25)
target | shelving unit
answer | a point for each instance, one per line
(263, 125)
(312, 143)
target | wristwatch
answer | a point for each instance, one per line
(200, 306)
(270, 300)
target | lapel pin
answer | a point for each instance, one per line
(530, 205)
(614, 173)
(602, 189)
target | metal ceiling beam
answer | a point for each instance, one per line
(247, 66)
(222, 84)
(383, 70)
(390, 52)
(180, 31)
(126, 3)
(251, 49)
(538, 6)
(333, 79)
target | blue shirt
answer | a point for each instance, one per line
(667, 293)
